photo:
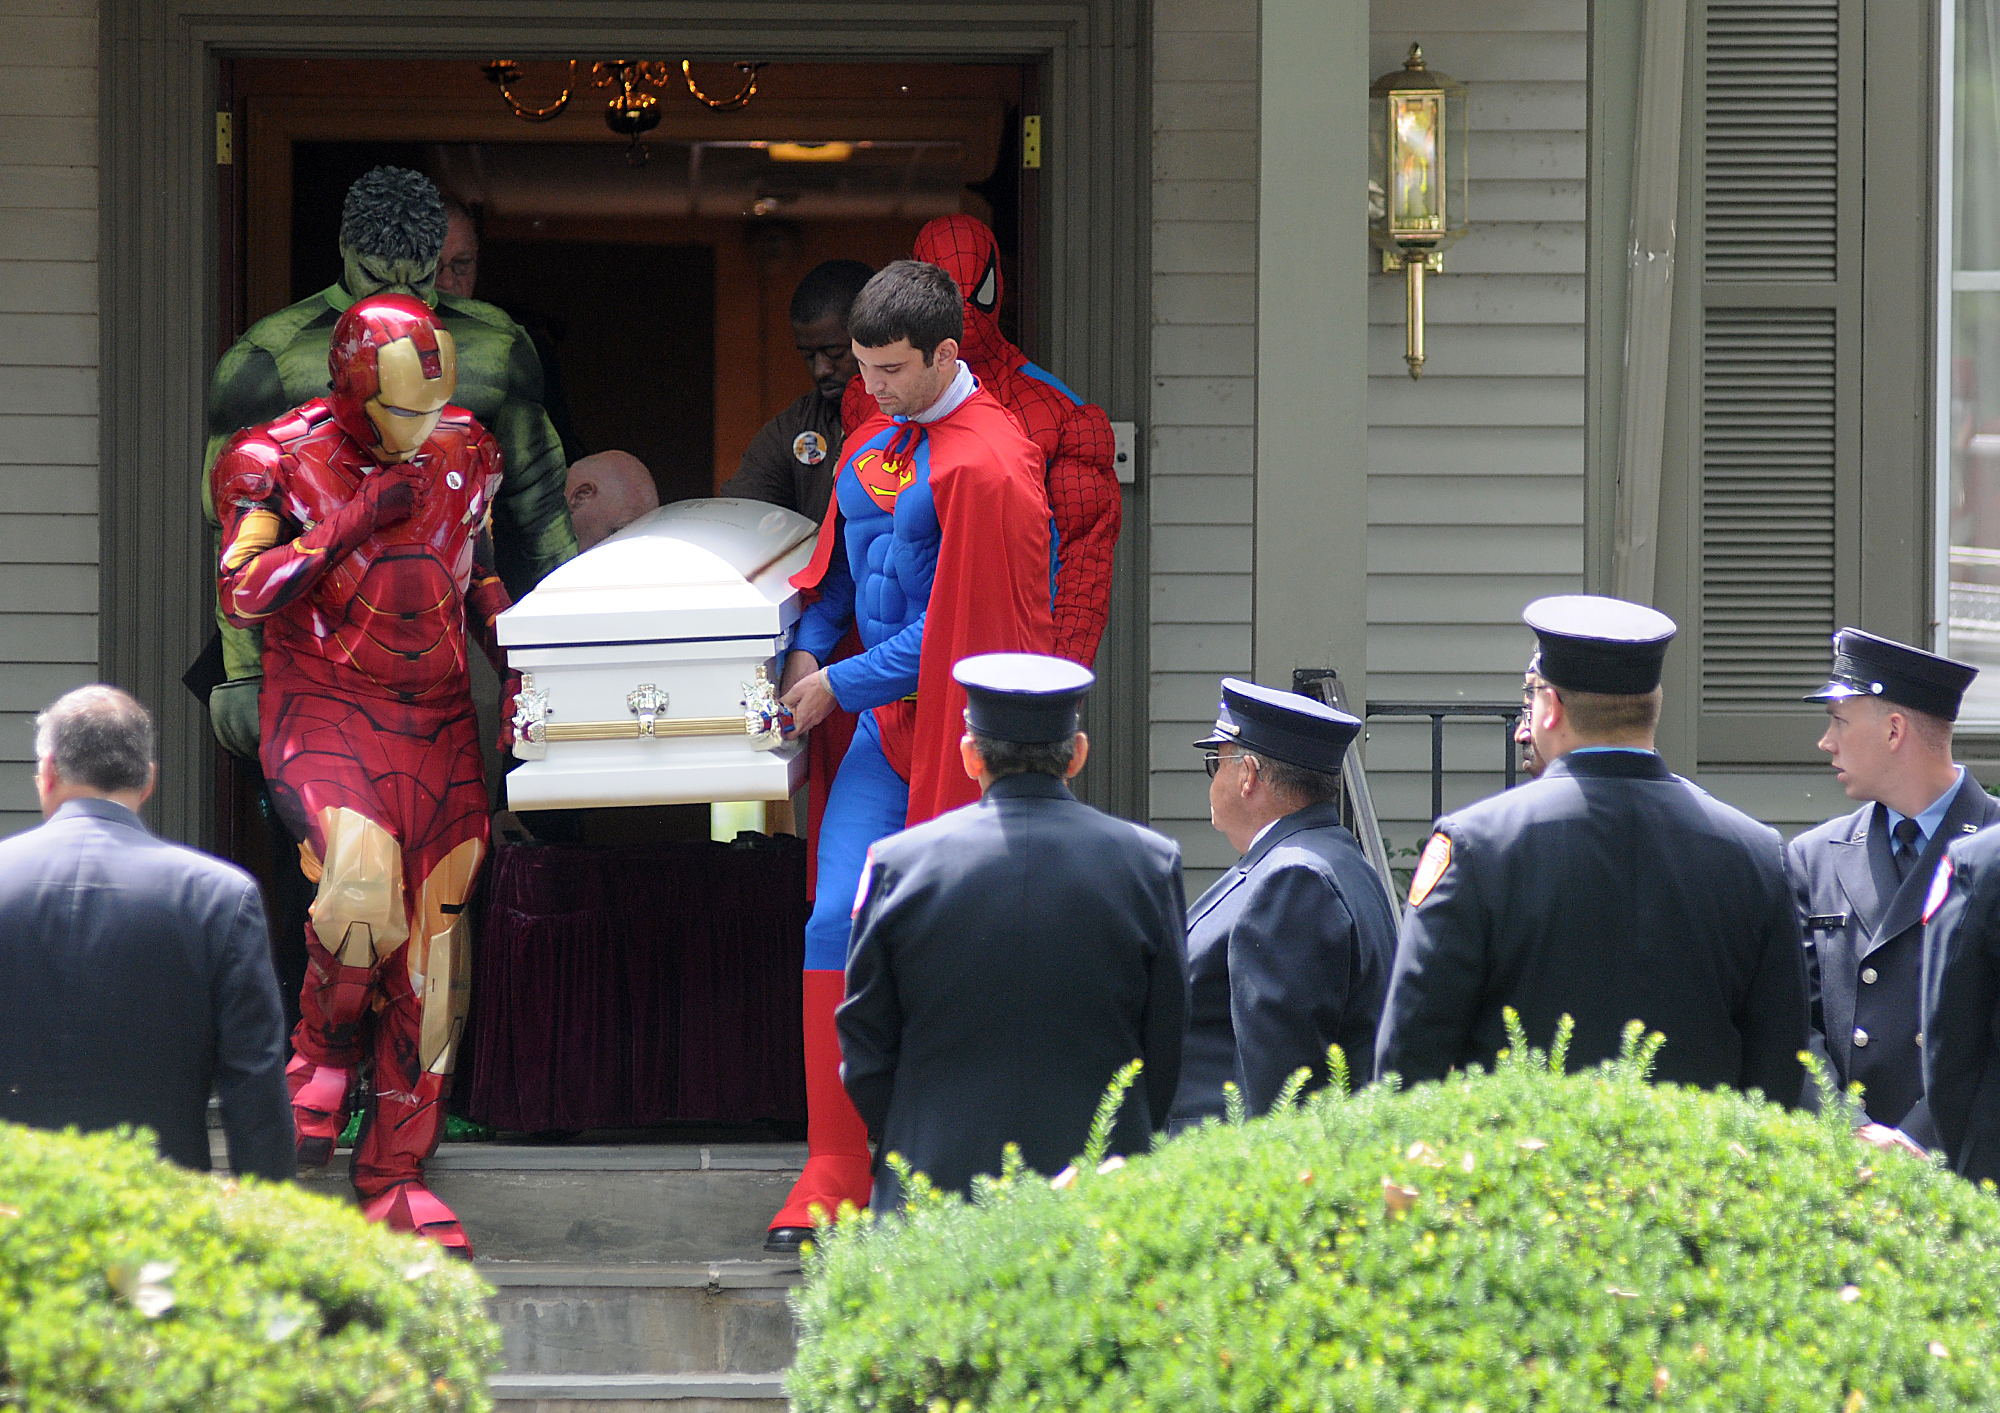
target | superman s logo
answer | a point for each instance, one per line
(883, 480)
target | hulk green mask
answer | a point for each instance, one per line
(363, 275)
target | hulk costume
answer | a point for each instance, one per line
(392, 233)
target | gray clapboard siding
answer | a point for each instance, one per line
(42, 234)
(45, 142)
(1200, 598)
(1202, 500)
(36, 490)
(1483, 298)
(49, 92)
(34, 389)
(17, 736)
(38, 37)
(48, 373)
(48, 637)
(49, 341)
(1475, 501)
(47, 286)
(1482, 351)
(1491, 451)
(1201, 449)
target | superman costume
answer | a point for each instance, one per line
(936, 547)
(1074, 436)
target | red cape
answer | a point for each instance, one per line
(990, 593)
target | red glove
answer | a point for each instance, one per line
(390, 496)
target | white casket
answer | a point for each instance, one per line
(649, 664)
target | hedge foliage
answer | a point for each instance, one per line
(129, 1284)
(1515, 1240)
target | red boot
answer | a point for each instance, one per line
(838, 1167)
(319, 1108)
(412, 1207)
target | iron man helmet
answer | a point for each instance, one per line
(392, 370)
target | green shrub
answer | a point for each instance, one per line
(1576, 1242)
(129, 1284)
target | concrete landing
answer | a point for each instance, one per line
(629, 1277)
(627, 1204)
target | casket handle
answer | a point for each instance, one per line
(646, 702)
(762, 720)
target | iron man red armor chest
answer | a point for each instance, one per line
(387, 619)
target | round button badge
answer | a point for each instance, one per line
(809, 448)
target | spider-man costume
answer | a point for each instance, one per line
(936, 547)
(351, 534)
(1074, 435)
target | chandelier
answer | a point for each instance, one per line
(635, 84)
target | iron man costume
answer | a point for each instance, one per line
(349, 531)
(1074, 435)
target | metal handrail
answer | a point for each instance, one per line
(1357, 805)
(1508, 712)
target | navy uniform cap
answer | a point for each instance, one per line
(1594, 644)
(1867, 666)
(1282, 725)
(1025, 698)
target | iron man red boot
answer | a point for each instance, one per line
(319, 1108)
(402, 1131)
(412, 1207)
(838, 1168)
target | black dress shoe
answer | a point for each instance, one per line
(785, 1241)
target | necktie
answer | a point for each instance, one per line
(1908, 833)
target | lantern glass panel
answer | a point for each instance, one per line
(1417, 198)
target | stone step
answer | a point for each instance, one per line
(680, 1319)
(625, 1204)
(639, 1393)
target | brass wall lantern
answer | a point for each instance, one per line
(1417, 179)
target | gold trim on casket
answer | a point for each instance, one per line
(682, 620)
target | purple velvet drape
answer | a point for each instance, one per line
(616, 987)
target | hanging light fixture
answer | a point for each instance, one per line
(636, 85)
(1418, 181)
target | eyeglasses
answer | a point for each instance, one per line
(1214, 759)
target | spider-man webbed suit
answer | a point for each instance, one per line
(351, 529)
(1074, 435)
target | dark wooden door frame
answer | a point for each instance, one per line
(159, 262)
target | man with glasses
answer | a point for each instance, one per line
(1289, 951)
(1524, 735)
(1608, 890)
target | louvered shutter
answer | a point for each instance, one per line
(1778, 362)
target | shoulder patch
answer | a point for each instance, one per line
(1431, 867)
(1940, 888)
(861, 888)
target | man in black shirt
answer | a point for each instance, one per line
(792, 460)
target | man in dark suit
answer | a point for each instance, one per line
(1860, 879)
(134, 974)
(1609, 889)
(1010, 957)
(1960, 1004)
(1289, 951)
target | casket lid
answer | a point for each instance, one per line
(695, 569)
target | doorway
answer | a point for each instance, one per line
(655, 279)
